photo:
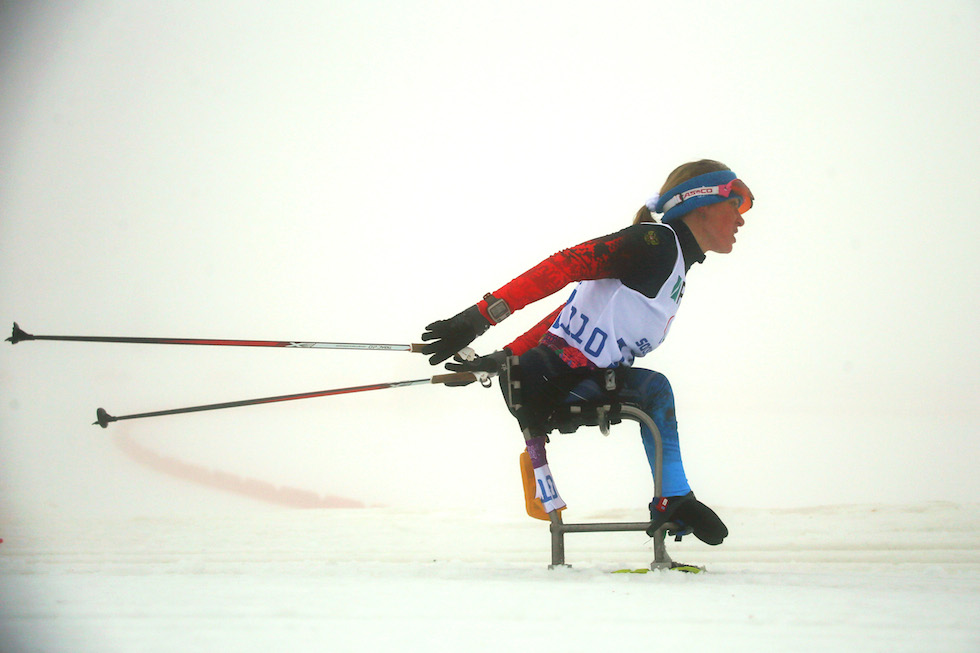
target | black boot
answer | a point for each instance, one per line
(690, 514)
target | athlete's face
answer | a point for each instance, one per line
(720, 224)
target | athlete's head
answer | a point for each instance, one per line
(708, 197)
(692, 185)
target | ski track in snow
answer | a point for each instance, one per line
(841, 578)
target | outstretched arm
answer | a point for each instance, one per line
(617, 255)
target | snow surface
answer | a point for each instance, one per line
(259, 578)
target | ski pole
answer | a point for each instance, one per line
(20, 335)
(103, 418)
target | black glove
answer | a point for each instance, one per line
(453, 334)
(491, 363)
(691, 515)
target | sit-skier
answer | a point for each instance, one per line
(630, 285)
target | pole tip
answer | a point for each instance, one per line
(102, 418)
(18, 335)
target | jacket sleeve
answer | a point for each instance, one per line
(631, 255)
(531, 338)
(594, 259)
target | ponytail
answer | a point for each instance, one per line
(644, 215)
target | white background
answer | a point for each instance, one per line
(356, 170)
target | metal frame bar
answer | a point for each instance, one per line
(661, 559)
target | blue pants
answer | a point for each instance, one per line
(650, 392)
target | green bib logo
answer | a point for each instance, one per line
(678, 290)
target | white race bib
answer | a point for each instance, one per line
(546, 490)
(613, 324)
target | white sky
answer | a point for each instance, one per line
(355, 170)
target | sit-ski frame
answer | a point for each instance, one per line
(601, 416)
(661, 560)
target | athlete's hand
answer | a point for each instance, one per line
(481, 366)
(449, 336)
(491, 363)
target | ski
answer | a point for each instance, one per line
(674, 566)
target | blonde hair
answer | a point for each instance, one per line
(681, 173)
